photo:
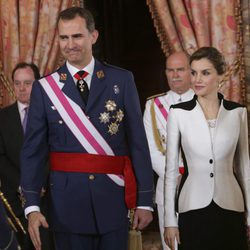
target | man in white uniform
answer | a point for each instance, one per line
(155, 121)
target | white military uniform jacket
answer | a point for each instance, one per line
(215, 169)
(157, 152)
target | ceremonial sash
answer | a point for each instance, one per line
(161, 110)
(102, 164)
(76, 120)
(161, 113)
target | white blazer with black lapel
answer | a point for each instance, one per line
(216, 171)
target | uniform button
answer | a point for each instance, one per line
(211, 161)
(211, 175)
(60, 122)
(91, 177)
(88, 117)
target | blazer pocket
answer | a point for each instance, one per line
(58, 181)
(57, 134)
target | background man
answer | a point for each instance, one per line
(13, 121)
(86, 117)
(155, 120)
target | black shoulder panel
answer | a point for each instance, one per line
(189, 105)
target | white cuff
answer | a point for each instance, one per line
(31, 209)
(146, 208)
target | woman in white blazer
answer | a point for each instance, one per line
(214, 193)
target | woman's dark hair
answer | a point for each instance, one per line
(211, 54)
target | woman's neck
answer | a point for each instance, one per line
(210, 106)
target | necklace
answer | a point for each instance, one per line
(211, 123)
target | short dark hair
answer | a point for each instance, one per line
(23, 65)
(213, 55)
(71, 13)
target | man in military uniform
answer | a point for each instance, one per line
(86, 119)
(155, 120)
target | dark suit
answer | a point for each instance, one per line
(80, 204)
(11, 140)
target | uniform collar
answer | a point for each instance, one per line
(89, 68)
(182, 98)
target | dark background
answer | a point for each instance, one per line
(127, 38)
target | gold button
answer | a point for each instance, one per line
(60, 122)
(91, 177)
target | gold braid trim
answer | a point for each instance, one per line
(163, 37)
(155, 130)
(18, 222)
(5, 82)
(233, 68)
(239, 63)
(240, 48)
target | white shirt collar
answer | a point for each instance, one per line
(182, 98)
(21, 106)
(89, 68)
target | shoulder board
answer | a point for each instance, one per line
(113, 66)
(157, 95)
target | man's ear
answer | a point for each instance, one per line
(94, 35)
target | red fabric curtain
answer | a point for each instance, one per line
(190, 24)
(28, 31)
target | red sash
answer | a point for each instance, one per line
(101, 164)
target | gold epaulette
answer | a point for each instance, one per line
(157, 95)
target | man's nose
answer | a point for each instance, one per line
(176, 74)
(70, 43)
(22, 86)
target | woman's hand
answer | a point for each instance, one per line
(170, 234)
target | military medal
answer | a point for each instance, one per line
(110, 105)
(112, 117)
(119, 115)
(81, 85)
(116, 89)
(104, 117)
(113, 128)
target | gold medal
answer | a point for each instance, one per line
(113, 128)
(110, 105)
(119, 115)
(104, 117)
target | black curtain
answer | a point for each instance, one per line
(128, 39)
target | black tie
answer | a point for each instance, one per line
(81, 84)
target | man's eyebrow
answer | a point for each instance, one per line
(179, 68)
(63, 36)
